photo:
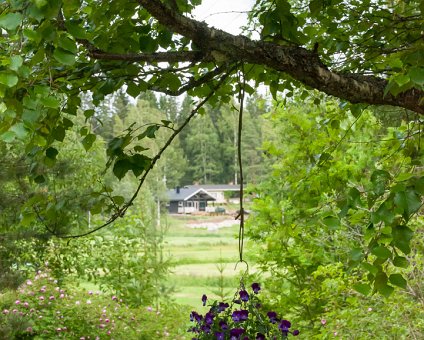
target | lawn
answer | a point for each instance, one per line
(204, 259)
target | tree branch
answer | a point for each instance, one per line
(192, 83)
(157, 57)
(298, 62)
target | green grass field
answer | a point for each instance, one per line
(198, 253)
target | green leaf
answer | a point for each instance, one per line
(10, 21)
(150, 132)
(398, 280)
(139, 163)
(385, 290)
(118, 200)
(315, 6)
(331, 222)
(50, 102)
(417, 75)
(401, 79)
(8, 78)
(356, 254)
(8, 136)
(59, 133)
(88, 141)
(64, 57)
(121, 167)
(68, 44)
(70, 7)
(133, 90)
(16, 62)
(381, 285)
(52, 153)
(402, 236)
(381, 252)
(19, 130)
(400, 261)
(369, 267)
(39, 179)
(40, 3)
(363, 288)
(380, 178)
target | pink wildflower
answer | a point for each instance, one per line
(323, 322)
(114, 298)
(51, 297)
(41, 298)
(5, 311)
(17, 302)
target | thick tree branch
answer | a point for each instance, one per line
(157, 57)
(300, 63)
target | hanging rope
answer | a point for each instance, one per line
(242, 93)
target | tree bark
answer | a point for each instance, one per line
(301, 64)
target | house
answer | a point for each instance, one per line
(188, 199)
(195, 198)
(223, 193)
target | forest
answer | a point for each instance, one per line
(315, 111)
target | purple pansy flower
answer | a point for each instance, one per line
(209, 318)
(204, 298)
(220, 335)
(222, 306)
(240, 315)
(256, 287)
(244, 296)
(194, 316)
(272, 317)
(223, 325)
(236, 333)
(296, 332)
(206, 328)
(284, 326)
(260, 336)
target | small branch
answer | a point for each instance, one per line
(192, 83)
(121, 212)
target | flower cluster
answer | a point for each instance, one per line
(52, 311)
(242, 320)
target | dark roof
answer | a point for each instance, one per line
(185, 193)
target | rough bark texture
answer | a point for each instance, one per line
(300, 63)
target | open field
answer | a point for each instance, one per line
(204, 259)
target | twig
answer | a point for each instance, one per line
(121, 212)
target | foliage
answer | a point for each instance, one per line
(58, 53)
(333, 216)
(44, 309)
(243, 318)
